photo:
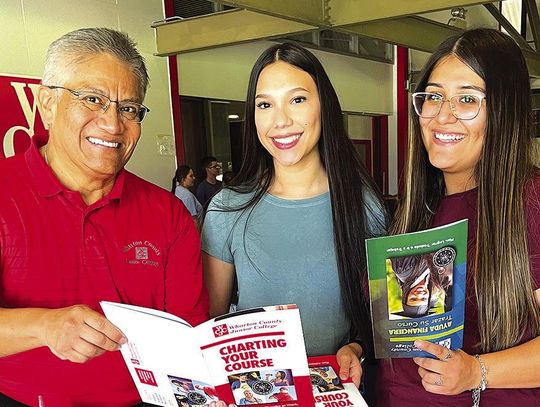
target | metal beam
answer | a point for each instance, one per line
(534, 21)
(220, 29)
(412, 32)
(305, 11)
(344, 12)
(494, 11)
(422, 34)
(263, 19)
(392, 21)
(536, 101)
(533, 63)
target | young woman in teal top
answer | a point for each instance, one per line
(291, 226)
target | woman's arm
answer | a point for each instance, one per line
(523, 359)
(219, 279)
(457, 371)
(461, 371)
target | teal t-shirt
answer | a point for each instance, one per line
(283, 252)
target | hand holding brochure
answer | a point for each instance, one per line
(328, 389)
(417, 289)
(250, 357)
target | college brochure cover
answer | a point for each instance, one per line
(250, 357)
(417, 289)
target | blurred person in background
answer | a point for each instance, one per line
(183, 180)
(210, 185)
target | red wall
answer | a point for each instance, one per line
(175, 95)
(19, 118)
(402, 111)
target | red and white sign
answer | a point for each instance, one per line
(20, 118)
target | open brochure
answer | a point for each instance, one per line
(417, 289)
(328, 389)
(251, 357)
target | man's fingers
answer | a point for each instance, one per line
(109, 332)
(97, 339)
(76, 356)
(78, 333)
(90, 349)
(85, 353)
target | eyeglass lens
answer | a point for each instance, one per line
(462, 106)
(129, 110)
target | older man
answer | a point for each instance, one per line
(77, 228)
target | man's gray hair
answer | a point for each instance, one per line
(80, 44)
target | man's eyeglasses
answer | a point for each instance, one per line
(463, 107)
(131, 111)
(215, 167)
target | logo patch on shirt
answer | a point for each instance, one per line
(142, 252)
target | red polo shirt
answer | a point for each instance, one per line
(137, 245)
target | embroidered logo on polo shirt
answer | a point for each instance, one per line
(142, 252)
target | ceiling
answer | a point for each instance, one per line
(419, 24)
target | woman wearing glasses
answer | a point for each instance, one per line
(291, 225)
(470, 157)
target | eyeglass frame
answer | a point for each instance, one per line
(104, 108)
(215, 166)
(452, 106)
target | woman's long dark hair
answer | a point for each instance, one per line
(181, 173)
(349, 181)
(503, 282)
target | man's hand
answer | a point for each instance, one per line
(79, 333)
(349, 362)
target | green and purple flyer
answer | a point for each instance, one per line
(417, 289)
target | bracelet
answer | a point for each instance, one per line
(483, 371)
(483, 382)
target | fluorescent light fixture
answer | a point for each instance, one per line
(233, 116)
